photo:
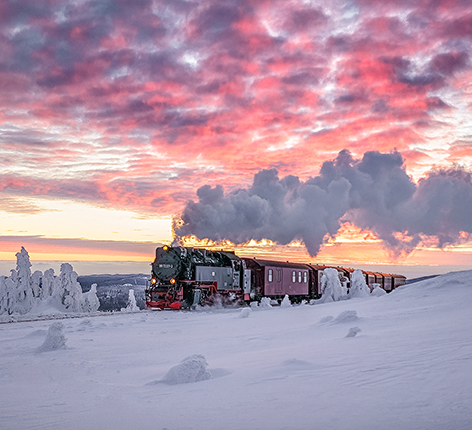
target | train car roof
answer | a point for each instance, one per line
(349, 269)
(368, 272)
(319, 266)
(322, 267)
(264, 263)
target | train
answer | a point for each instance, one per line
(185, 277)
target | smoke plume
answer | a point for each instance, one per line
(374, 193)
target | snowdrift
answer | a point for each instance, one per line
(399, 361)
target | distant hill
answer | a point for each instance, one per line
(112, 290)
(422, 278)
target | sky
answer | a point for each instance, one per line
(332, 131)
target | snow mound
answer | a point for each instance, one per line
(55, 339)
(191, 369)
(346, 316)
(286, 302)
(265, 303)
(36, 333)
(378, 291)
(244, 313)
(343, 317)
(48, 306)
(326, 320)
(353, 331)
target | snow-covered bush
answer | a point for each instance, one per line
(22, 292)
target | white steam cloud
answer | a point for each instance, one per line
(374, 193)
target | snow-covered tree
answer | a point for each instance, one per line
(22, 291)
(331, 288)
(131, 305)
(36, 283)
(50, 285)
(23, 297)
(90, 302)
(359, 287)
(3, 295)
(71, 290)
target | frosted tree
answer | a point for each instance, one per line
(359, 287)
(23, 298)
(3, 295)
(331, 288)
(21, 291)
(36, 279)
(131, 305)
(90, 302)
(9, 293)
(51, 285)
(71, 290)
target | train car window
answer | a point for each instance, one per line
(294, 276)
(304, 277)
(299, 277)
(270, 275)
(279, 275)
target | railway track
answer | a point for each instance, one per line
(10, 319)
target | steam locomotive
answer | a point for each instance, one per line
(183, 277)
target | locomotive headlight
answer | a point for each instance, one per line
(153, 281)
(165, 247)
(172, 281)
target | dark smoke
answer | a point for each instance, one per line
(374, 193)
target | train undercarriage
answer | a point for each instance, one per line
(190, 294)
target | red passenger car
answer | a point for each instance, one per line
(275, 279)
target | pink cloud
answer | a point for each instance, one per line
(148, 101)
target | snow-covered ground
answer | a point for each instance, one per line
(398, 361)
